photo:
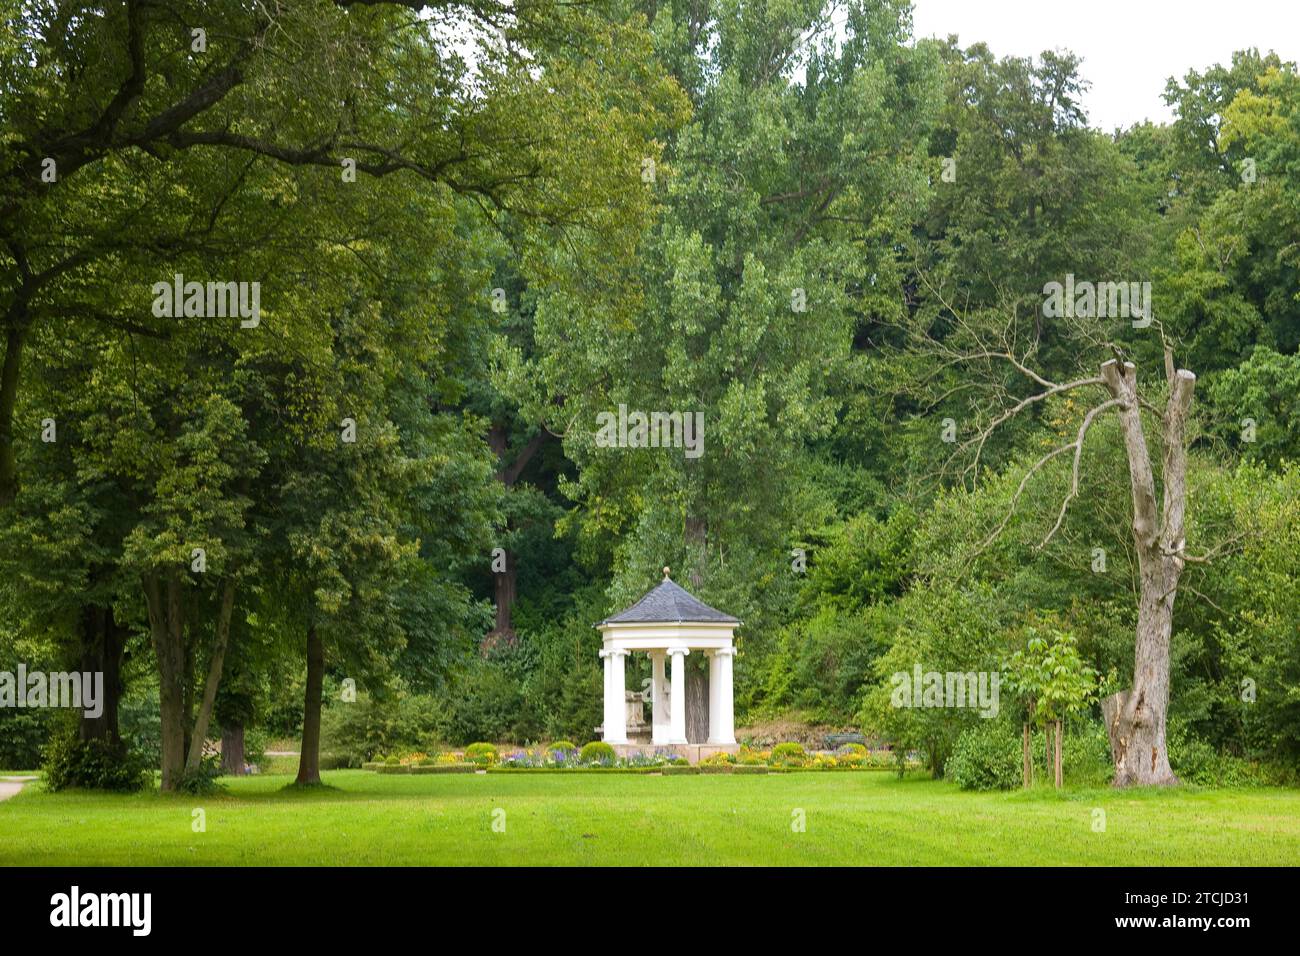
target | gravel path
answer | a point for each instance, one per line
(11, 785)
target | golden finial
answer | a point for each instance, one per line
(666, 570)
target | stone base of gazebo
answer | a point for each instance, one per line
(693, 753)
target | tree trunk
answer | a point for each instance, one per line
(1028, 768)
(309, 758)
(697, 702)
(103, 642)
(1136, 724)
(14, 339)
(503, 588)
(1047, 745)
(1060, 727)
(167, 627)
(187, 681)
(220, 641)
(697, 548)
(232, 750)
(504, 583)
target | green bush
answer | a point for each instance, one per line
(202, 779)
(392, 761)
(356, 731)
(93, 765)
(987, 756)
(481, 753)
(336, 762)
(1085, 755)
(565, 745)
(789, 754)
(484, 701)
(22, 735)
(1195, 761)
(139, 718)
(597, 751)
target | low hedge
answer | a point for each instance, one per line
(446, 768)
(662, 769)
(597, 769)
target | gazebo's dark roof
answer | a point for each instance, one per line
(670, 603)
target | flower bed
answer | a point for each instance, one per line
(598, 757)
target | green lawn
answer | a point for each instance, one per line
(851, 818)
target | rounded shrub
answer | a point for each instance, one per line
(565, 745)
(597, 752)
(481, 753)
(986, 757)
(393, 761)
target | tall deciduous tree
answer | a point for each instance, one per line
(782, 201)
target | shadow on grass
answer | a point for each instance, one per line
(320, 788)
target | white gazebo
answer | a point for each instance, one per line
(669, 623)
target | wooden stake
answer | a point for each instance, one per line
(1028, 759)
(1059, 728)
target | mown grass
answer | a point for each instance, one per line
(851, 818)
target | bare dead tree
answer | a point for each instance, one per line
(1135, 718)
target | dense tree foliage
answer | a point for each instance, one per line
(384, 510)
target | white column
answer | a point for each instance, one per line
(677, 725)
(659, 699)
(715, 715)
(616, 694)
(607, 722)
(722, 719)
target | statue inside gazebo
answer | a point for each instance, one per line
(668, 625)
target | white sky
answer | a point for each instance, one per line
(1129, 47)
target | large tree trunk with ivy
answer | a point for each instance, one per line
(103, 642)
(309, 758)
(1135, 719)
